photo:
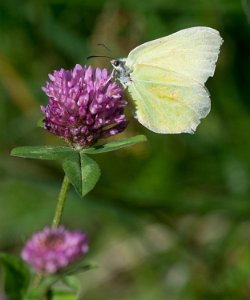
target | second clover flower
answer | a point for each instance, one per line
(52, 249)
(84, 106)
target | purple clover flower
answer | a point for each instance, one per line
(52, 249)
(84, 105)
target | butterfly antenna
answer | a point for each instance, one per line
(94, 56)
(104, 46)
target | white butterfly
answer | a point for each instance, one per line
(165, 79)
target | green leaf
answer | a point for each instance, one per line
(64, 296)
(80, 268)
(44, 152)
(16, 276)
(116, 145)
(82, 171)
(34, 293)
(60, 152)
(90, 172)
(72, 282)
(72, 168)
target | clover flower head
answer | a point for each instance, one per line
(53, 249)
(84, 105)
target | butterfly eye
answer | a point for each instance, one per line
(116, 63)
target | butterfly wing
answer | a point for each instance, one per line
(167, 102)
(191, 52)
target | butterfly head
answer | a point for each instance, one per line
(118, 64)
(121, 71)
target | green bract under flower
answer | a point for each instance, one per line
(84, 106)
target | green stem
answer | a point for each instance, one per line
(36, 281)
(57, 219)
(60, 203)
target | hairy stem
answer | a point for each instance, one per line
(61, 202)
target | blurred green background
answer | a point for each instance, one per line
(169, 219)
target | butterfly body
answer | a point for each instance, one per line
(122, 72)
(165, 79)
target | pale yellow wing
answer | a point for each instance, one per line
(191, 52)
(167, 102)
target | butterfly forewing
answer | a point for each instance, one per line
(191, 52)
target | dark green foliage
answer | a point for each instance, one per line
(16, 276)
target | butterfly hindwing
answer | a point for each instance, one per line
(167, 102)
